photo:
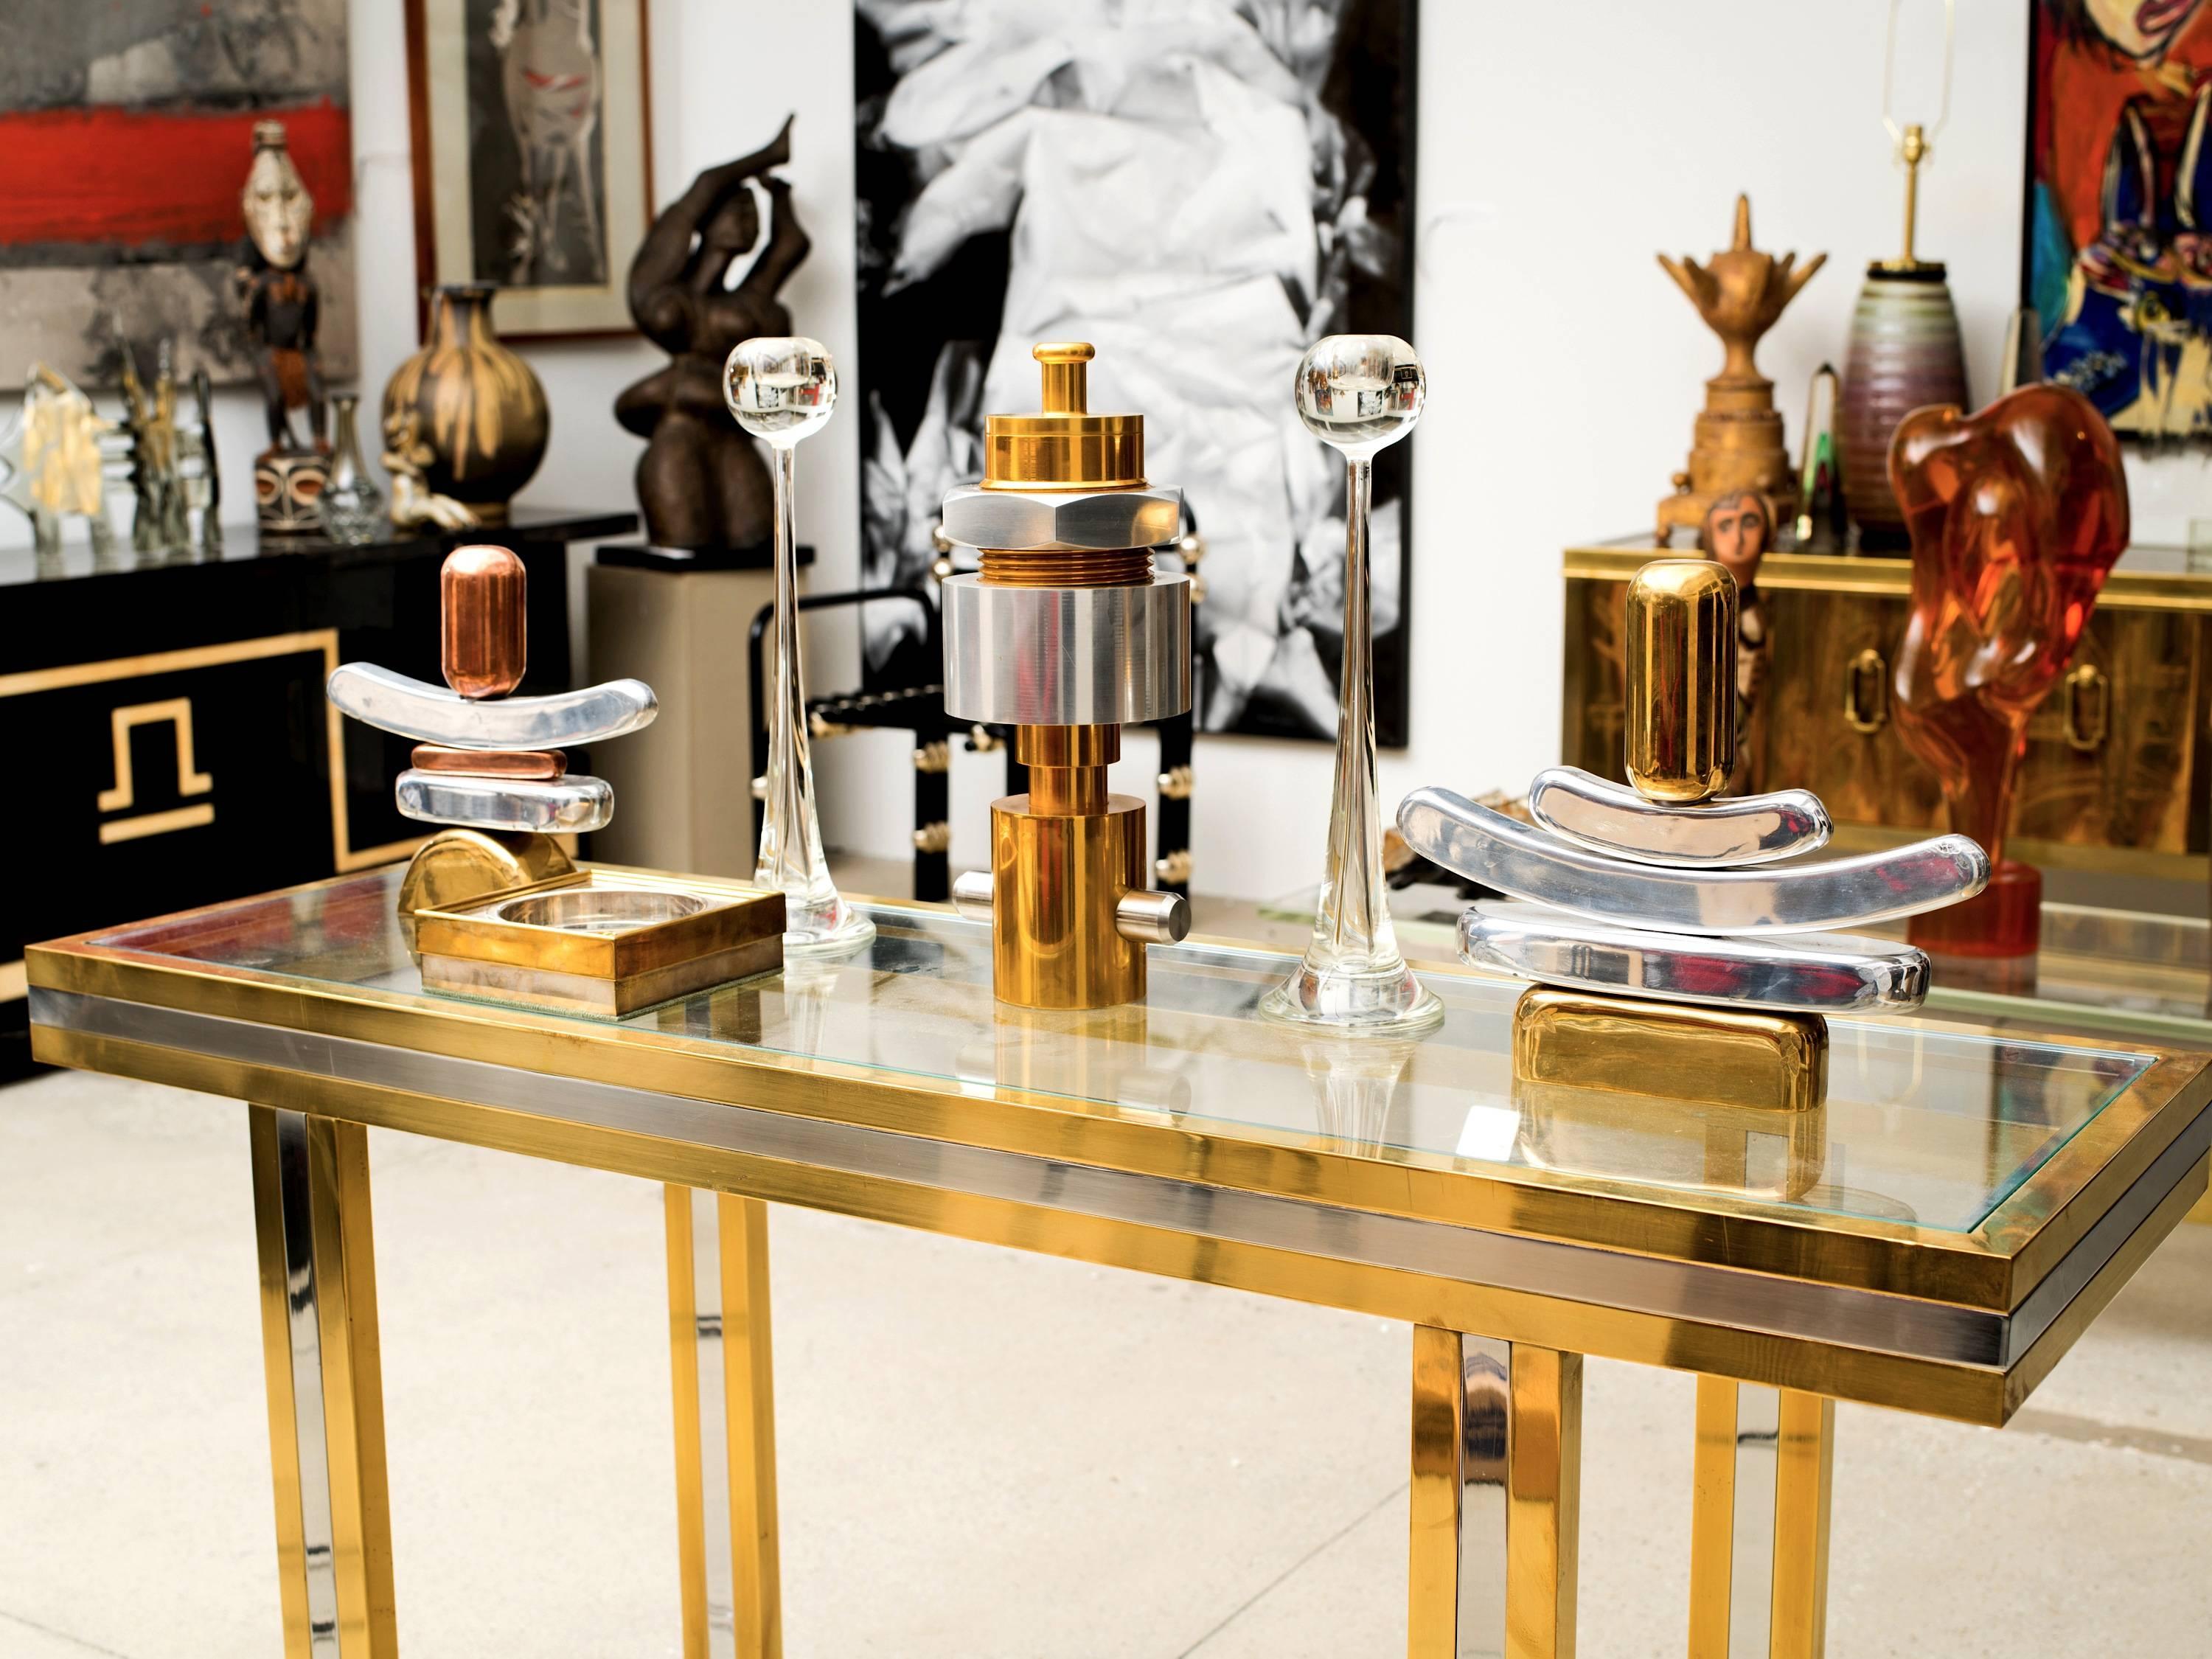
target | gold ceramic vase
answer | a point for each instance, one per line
(477, 403)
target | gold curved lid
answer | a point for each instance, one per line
(1065, 446)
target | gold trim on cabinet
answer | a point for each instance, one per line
(1830, 573)
(344, 857)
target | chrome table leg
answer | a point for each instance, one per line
(1758, 1536)
(718, 1324)
(1496, 1488)
(319, 1344)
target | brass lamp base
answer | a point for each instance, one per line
(1671, 1050)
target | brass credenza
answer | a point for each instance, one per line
(2115, 780)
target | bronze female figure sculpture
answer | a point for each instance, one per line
(701, 482)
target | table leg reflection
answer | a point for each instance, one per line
(1496, 1477)
(722, 1365)
(1759, 1538)
(319, 1354)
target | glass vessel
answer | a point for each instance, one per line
(1358, 393)
(351, 505)
(2016, 514)
(781, 390)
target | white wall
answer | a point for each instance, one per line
(1564, 367)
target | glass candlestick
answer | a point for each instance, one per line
(1358, 393)
(781, 390)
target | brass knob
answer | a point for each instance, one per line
(484, 643)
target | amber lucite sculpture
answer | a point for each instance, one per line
(2016, 514)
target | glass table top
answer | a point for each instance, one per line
(1922, 1125)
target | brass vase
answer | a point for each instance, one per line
(477, 406)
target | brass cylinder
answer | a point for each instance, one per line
(1056, 880)
(1064, 447)
(485, 641)
(1680, 639)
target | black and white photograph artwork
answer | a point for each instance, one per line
(536, 180)
(1199, 188)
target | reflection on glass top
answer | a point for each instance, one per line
(1922, 1125)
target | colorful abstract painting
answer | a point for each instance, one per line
(126, 129)
(2118, 256)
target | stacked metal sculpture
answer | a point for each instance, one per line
(1664, 891)
(486, 760)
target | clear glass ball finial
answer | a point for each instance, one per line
(780, 387)
(1360, 393)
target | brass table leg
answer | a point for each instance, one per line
(1496, 1488)
(1759, 1534)
(319, 1346)
(718, 1327)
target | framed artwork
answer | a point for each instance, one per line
(1200, 192)
(2116, 257)
(533, 167)
(127, 129)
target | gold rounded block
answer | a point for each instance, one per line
(1065, 446)
(1680, 647)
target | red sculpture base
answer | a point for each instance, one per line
(2005, 919)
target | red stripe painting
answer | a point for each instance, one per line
(110, 177)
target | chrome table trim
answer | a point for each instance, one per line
(1703, 1293)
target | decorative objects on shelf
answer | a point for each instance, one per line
(1823, 524)
(1066, 632)
(532, 158)
(407, 457)
(150, 417)
(1904, 351)
(781, 390)
(53, 468)
(1739, 531)
(1358, 393)
(283, 309)
(2017, 514)
(352, 507)
(1667, 892)
(479, 411)
(494, 907)
(700, 484)
(1740, 292)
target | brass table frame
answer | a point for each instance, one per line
(1779, 1313)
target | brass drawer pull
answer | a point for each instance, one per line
(2089, 707)
(1866, 692)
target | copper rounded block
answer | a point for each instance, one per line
(486, 644)
(545, 765)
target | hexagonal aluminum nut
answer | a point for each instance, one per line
(1097, 520)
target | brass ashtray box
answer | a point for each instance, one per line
(601, 942)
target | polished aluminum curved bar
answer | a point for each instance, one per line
(1489, 847)
(431, 714)
(1085, 520)
(1613, 819)
(1066, 656)
(1807, 973)
(574, 803)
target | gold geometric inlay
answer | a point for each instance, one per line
(191, 780)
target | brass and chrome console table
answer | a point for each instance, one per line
(1933, 1238)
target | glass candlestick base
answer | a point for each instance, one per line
(818, 929)
(1390, 1002)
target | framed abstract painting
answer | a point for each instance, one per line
(533, 169)
(2116, 257)
(127, 133)
(1199, 191)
